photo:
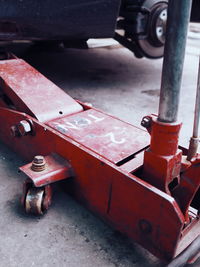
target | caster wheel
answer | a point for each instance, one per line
(36, 200)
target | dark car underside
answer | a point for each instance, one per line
(137, 24)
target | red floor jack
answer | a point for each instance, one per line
(149, 192)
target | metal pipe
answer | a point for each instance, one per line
(194, 141)
(197, 108)
(176, 36)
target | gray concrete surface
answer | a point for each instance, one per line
(112, 79)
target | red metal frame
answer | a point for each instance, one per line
(162, 161)
(57, 169)
(106, 156)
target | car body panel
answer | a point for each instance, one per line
(57, 20)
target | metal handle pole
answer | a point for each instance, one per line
(197, 108)
(194, 141)
(176, 36)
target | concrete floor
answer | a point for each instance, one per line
(113, 80)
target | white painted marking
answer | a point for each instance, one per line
(96, 119)
(113, 139)
(71, 126)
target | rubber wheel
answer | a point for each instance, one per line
(34, 201)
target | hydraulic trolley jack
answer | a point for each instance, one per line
(149, 192)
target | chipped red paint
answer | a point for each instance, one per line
(56, 169)
(162, 160)
(107, 136)
(41, 91)
(106, 156)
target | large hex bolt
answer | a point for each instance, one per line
(146, 122)
(38, 164)
(24, 127)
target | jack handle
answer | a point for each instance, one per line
(194, 141)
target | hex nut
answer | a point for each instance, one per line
(38, 159)
(38, 164)
(146, 122)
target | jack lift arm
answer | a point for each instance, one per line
(150, 193)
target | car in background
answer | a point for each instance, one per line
(139, 25)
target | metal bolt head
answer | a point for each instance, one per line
(24, 127)
(146, 122)
(38, 164)
(38, 159)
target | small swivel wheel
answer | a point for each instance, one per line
(36, 200)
